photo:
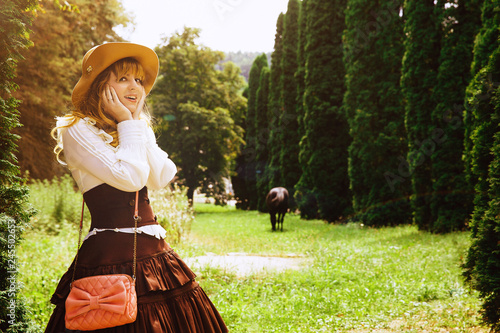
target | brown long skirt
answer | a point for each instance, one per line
(169, 298)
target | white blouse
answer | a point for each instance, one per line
(136, 162)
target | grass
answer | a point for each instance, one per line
(359, 280)
(43, 259)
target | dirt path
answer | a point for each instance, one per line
(244, 264)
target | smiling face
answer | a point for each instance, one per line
(126, 78)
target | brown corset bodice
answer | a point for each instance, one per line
(113, 208)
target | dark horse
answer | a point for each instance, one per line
(277, 202)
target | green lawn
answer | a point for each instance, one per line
(359, 279)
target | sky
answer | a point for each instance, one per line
(226, 25)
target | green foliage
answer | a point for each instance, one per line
(418, 80)
(261, 149)
(174, 212)
(486, 40)
(355, 279)
(272, 171)
(451, 202)
(288, 121)
(483, 261)
(323, 189)
(300, 74)
(373, 106)
(52, 67)
(15, 18)
(59, 204)
(199, 108)
(251, 129)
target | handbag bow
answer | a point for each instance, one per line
(112, 299)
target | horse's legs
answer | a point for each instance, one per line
(281, 217)
(273, 220)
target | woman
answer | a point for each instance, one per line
(111, 151)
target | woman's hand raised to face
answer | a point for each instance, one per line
(113, 106)
(117, 109)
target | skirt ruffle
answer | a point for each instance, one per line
(189, 312)
(169, 299)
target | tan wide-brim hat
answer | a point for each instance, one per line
(100, 57)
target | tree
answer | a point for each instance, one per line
(251, 130)
(52, 67)
(262, 135)
(288, 122)
(483, 262)
(419, 74)
(451, 201)
(198, 109)
(300, 74)
(372, 102)
(485, 42)
(323, 189)
(15, 18)
(482, 164)
(273, 174)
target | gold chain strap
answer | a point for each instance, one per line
(137, 218)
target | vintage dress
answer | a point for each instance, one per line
(169, 299)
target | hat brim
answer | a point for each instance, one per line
(97, 59)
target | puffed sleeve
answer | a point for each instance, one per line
(87, 149)
(162, 169)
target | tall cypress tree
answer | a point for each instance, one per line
(485, 42)
(238, 176)
(301, 70)
(261, 150)
(483, 165)
(275, 107)
(451, 202)
(419, 73)
(251, 130)
(323, 189)
(15, 18)
(373, 54)
(483, 260)
(288, 122)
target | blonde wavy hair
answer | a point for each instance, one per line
(91, 105)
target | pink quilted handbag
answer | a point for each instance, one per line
(102, 301)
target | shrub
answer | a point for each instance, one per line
(173, 212)
(58, 202)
